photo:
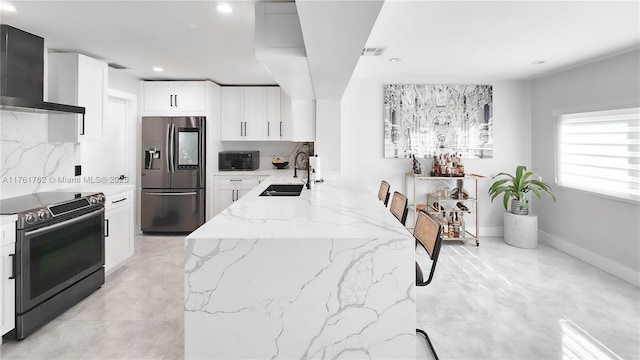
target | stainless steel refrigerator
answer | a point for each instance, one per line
(173, 174)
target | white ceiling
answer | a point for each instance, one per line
(497, 39)
(188, 39)
(479, 39)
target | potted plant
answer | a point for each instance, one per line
(517, 187)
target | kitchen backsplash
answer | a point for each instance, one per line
(29, 162)
(268, 149)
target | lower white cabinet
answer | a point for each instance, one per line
(118, 242)
(8, 283)
(228, 189)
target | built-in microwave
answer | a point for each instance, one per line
(238, 160)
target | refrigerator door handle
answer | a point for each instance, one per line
(171, 193)
(167, 145)
(173, 148)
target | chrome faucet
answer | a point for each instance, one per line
(295, 168)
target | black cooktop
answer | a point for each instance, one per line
(23, 203)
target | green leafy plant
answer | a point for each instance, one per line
(518, 186)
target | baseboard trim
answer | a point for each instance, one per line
(602, 263)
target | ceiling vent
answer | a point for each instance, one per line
(117, 66)
(373, 51)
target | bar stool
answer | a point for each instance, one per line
(399, 207)
(428, 233)
(383, 192)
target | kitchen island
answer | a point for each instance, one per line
(327, 274)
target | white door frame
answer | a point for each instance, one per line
(130, 139)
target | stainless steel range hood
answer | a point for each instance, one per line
(27, 105)
(22, 74)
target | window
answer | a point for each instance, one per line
(599, 152)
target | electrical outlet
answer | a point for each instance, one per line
(78, 170)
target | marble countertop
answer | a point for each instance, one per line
(107, 189)
(333, 208)
(329, 274)
(5, 219)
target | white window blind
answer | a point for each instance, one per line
(600, 152)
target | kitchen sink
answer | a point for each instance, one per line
(283, 190)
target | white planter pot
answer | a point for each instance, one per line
(521, 230)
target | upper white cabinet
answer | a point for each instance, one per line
(299, 119)
(244, 113)
(76, 79)
(275, 130)
(232, 113)
(265, 114)
(178, 98)
(255, 113)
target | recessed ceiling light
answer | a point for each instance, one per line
(158, 69)
(224, 8)
(7, 7)
(394, 59)
(537, 62)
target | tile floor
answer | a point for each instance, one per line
(500, 302)
(137, 314)
(489, 302)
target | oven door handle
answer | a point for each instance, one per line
(62, 224)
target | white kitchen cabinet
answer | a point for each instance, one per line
(118, 242)
(76, 79)
(274, 115)
(251, 113)
(8, 283)
(298, 119)
(255, 113)
(174, 98)
(230, 188)
(232, 113)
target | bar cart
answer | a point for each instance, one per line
(447, 198)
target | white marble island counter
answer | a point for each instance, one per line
(328, 274)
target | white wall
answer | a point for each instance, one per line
(328, 135)
(599, 230)
(120, 80)
(362, 139)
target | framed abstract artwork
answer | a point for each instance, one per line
(425, 120)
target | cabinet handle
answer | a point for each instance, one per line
(175, 100)
(241, 122)
(82, 131)
(106, 227)
(13, 267)
(233, 195)
(117, 201)
(280, 128)
(268, 128)
(235, 180)
(171, 100)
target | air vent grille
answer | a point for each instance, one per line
(117, 66)
(373, 51)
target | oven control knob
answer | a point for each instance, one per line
(93, 200)
(30, 218)
(42, 215)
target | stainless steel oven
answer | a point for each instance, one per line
(59, 258)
